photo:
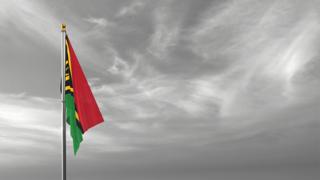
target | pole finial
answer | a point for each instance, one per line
(63, 27)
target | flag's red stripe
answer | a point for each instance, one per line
(87, 108)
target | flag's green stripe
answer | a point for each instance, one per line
(76, 133)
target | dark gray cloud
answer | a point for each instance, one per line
(189, 89)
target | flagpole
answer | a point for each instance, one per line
(63, 123)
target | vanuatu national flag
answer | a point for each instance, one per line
(82, 111)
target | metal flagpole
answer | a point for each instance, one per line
(63, 78)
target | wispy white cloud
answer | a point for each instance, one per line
(119, 66)
(36, 20)
(131, 9)
(32, 126)
(32, 18)
(100, 22)
(165, 34)
(28, 122)
(264, 52)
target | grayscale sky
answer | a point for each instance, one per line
(189, 89)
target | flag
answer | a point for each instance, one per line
(82, 111)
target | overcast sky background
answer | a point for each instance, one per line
(189, 89)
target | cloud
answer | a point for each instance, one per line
(261, 63)
(119, 66)
(130, 9)
(165, 34)
(32, 127)
(40, 23)
(28, 122)
(100, 22)
(20, 13)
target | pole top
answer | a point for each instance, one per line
(63, 27)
